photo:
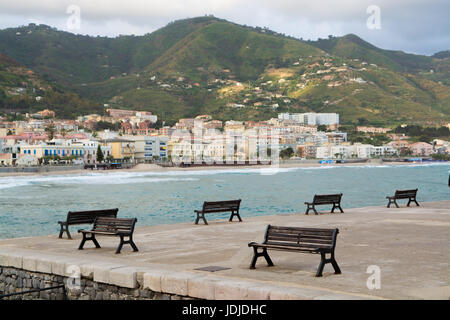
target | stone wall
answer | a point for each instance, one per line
(13, 280)
(40, 169)
(24, 269)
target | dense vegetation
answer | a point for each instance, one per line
(209, 65)
(427, 134)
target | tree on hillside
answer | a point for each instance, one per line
(286, 153)
(100, 156)
(50, 130)
(63, 132)
(363, 121)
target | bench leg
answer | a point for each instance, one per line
(129, 241)
(336, 268)
(68, 233)
(257, 254)
(412, 200)
(339, 207)
(266, 255)
(61, 231)
(64, 228)
(85, 238)
(314, 209)
(97, 245)
(120, 245)
(254, 259)
(233, 215)
(392, 201)
(133, 245)
(311, 206)
(321, 265)
(200, 216)
(324, 261)
(196, 219)
(80, 247)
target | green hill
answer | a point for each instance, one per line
(353, 47)
(23, 91)
(210, 65)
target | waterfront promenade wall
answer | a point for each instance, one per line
(40, 169)
(13, 280)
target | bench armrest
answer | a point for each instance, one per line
(62, 222)
(252, 243)
(309, 202)
(198, 211)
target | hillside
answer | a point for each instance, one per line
(210, 65)
(22, 90)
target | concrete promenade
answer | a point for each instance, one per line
(411, 246)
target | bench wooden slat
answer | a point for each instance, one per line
(299, 239)
(323, 233)
(286, 248)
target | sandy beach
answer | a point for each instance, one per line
(156, 168)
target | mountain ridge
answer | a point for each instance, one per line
(194, 61)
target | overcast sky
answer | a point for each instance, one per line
(416, 26)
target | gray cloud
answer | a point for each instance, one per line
(417, 26)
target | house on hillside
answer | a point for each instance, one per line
(421, 149)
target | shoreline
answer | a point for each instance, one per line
(155, 168)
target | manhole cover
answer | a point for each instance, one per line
(212, 268)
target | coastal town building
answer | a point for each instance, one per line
(133, 137)
(421, 149)
(121, 149)
(311, 118)
(53, 149)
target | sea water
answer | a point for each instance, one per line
(32, 205)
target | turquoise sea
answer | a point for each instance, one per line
(32, 205)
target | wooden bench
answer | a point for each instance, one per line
(307, 240)
(403, 194)
(84, 217)
(334, 199)
(111, 227)
(219, 206)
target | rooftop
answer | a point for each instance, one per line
(410, 245)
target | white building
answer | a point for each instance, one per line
(370, 151)
(312, 118)
(155, 146)
(90, 147)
